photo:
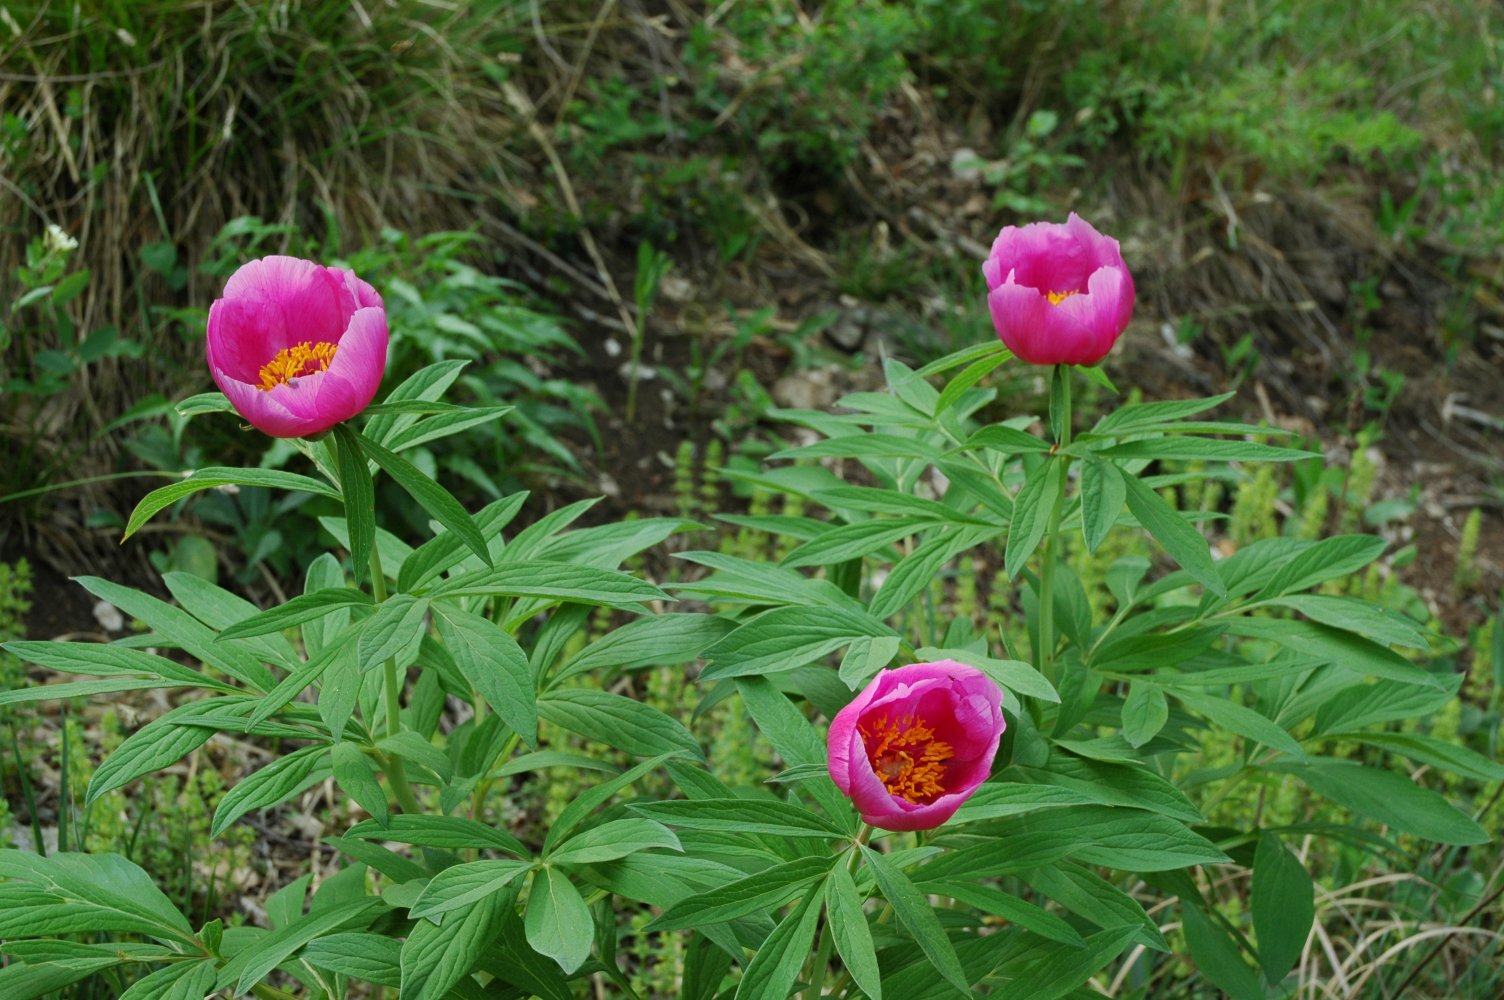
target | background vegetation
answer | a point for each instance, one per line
(761, 197)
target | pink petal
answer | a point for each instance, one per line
(315, 303)
(263, 410)
(365, 295)
(355, 373)
(1044, 255)
(1101, 314)
(1022, 318)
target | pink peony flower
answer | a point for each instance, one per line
(1058, 294)
(297, 347)
(916, 743)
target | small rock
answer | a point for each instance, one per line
(108, 616)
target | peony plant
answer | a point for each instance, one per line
(958, 806)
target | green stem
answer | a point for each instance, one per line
(1062, 421)
(821, 963)
(396, 773)
(271, 993)
(482, 789)
(821, 967)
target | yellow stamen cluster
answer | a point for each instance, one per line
(1058, 297)
(291, 362)
(906, 757)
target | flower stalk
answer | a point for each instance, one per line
(1060, 420)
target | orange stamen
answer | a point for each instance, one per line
(1058, 297)
(292, 362)
(906, 757)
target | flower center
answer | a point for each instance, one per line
(1058, 297)
(906, 757)
(291, 362)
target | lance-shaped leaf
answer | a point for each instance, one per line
(205, 479)
(432, 497)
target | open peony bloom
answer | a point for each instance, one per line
(916, 743)
(297, 347)
(1058, 294)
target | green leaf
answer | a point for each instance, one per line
(450, 833)
(1341, 555)
(1031, 515)
(1061, 969)
(1183, 542)
(1102, 494)
(785, 638)
(1217, 957)
(461, 885)
(418, 749)
(617, 721)
(271, 785)
(772, 972)
(435, 957)
(587, 801)
(760, 583)
(656, 640)
(425, 385)
(917, 917)
(432, 497)
(1198, 449)
(249, 967)
(883, 501)
(861, 445)
(84, 893)
(853, 938)
(358, 493)
(1138, 417)
(1145, 713)
(445, 425)
(1372, 621)
(1284, 907)
(918, 569)
(1008, 440)
(204, 402)
(1088, 895)
(999, 903)
(352, 772)
(1241, 720)
(1369, 704)
(25, 981)
(1119, 838)
(616, 839)
(757, 893)
(156, 745)
(557, 921)
(303, 608)
(1114, 784)
(183, 630)
(493, 664)
(83, 689)
(795, 740)
(1388, 798)
(1343, 649)
(375, 958)
(764, 816)
(445, 550)
(970, 376)
(105, 660)
(556, 581)
(393, 632)
(966, 356)
(205, 479)
(1425, 749)
(865, 657)
(1015, 675)
(853, 541)
(181, 981)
